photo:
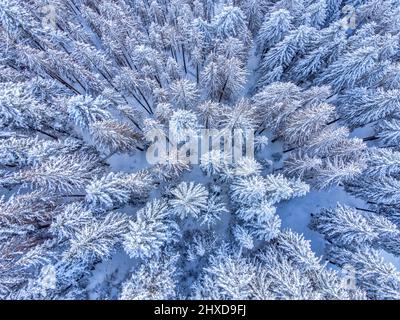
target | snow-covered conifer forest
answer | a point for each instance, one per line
(84, 84)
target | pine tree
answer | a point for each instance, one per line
(211, 78)
(333, 9)
(240, 116)
(183, 94)
(212, 162)
(233, 78)
(189, 199)
(71, 218)
(326, 49)
(275, 101)
(231, 22)
(113, 136)
(155, 280)
(389, 133)
(382, 162)
(247, 166)
(20, 110)
(338, 172)
(183, 123)
(211, 215)
(65, 173)
(317, 14)
(269, 77)
(346, 71)
(254, 190)
(285, 281)
(22, 151)
(209, 113)
(223, 78)
(383, 190)
(335, 142)
(298, 250)
(266, 230)
(307, 122)
(362, 106)
(344, 226)
(230, 274)
(243, 237)
(302, 166)
(378, 278)
(296, 9)
(248, 190)
(273, 29)
(261, 212)
(23, 215)
(152, 229)
(285, 51)
(116, 189)
(84, 111)
(97, 239)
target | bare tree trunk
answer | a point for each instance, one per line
(223, 90)
(183, 58)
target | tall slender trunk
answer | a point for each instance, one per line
(174, 55)
(140, 102)
(275, 139)
(184, 58)
(158, 81)
(223, 90)
(334, 121)
(365, 210)
(45, 133)
(370, 138)
(145, 100)
(288, 150)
